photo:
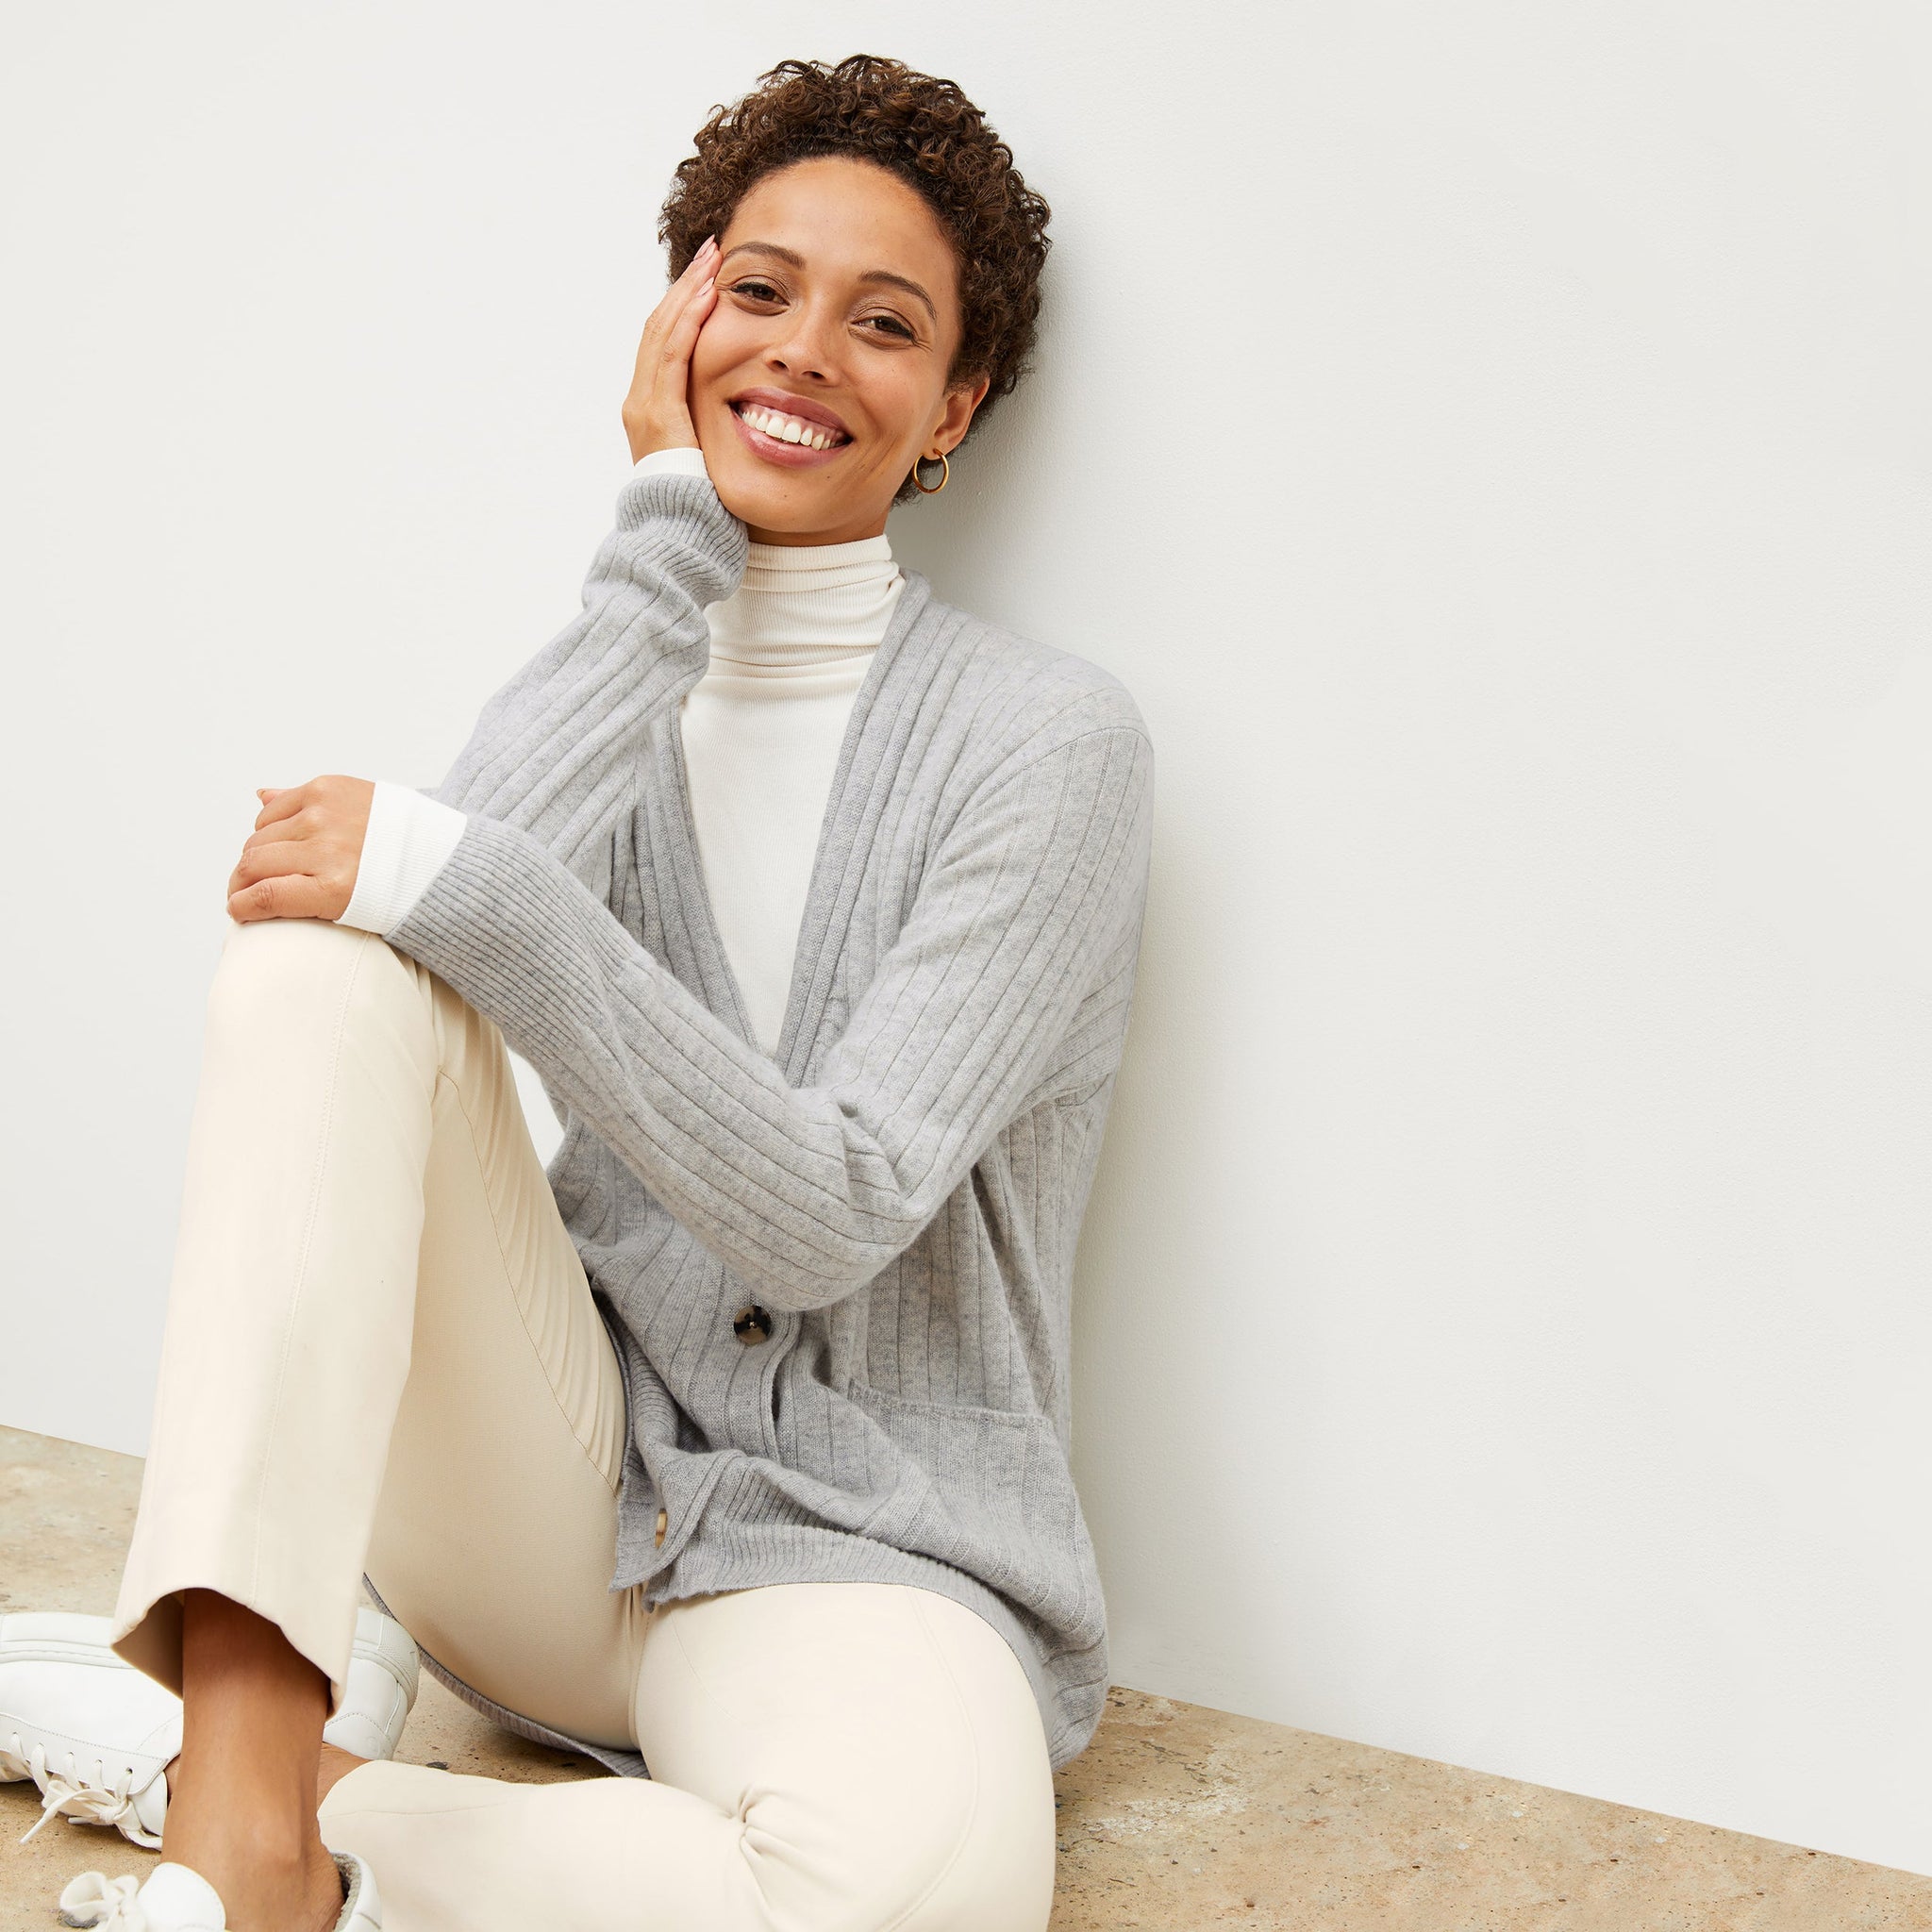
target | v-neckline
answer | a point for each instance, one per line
(806, 996)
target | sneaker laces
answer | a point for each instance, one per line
(71, 1793)
(109, 1904)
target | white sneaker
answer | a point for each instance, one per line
(383, 1675)
(96, 1735)
(176, 1899)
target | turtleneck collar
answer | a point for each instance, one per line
(804, 606)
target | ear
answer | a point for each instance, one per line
(954, 416)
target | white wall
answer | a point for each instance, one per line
(1489, 441)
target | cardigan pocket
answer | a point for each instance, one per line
(986, 1490)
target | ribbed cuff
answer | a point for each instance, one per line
(687, 533)
(409, 836)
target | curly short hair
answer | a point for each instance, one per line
(924, 131)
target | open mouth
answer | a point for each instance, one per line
(781, 427)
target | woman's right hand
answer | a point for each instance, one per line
(657, 412)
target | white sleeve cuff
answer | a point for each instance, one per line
(409, 836)
(678, 462)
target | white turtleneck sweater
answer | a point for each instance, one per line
(762, 730)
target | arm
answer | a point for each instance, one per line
(555, 748)
(1031, 901)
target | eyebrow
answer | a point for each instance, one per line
(793, 259)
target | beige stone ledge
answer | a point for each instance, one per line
(1175, 1818)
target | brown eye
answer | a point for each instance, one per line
(757, 290)
(893, 325)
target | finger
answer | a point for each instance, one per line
(672, 301)
(279, 822)
(273, 857)
(684, 331)
(691, 326)
(662, 378)
(293, 897)
(684, 296)
(261, 856)
(280, 802)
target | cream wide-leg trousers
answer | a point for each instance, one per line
(381, 1353)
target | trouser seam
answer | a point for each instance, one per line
(612, 1483)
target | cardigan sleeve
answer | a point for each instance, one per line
(668, 548)
(1030, 901)
(556, 749)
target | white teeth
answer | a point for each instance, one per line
(787, 429)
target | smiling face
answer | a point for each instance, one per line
(821, 375)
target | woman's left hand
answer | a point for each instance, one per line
(301, 860)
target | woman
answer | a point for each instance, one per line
(733, 1449)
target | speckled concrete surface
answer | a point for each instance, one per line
(1175, 1817)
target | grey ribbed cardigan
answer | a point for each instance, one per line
(901, 1185)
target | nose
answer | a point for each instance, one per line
(809, 348)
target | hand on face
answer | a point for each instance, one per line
(657, 412)
(301, 860)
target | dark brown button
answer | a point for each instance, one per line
(663, 1523)
(751, 1325)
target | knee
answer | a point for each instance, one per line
(954, 1865)
(271, 969)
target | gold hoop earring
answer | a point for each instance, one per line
(945, 475)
